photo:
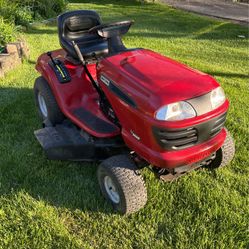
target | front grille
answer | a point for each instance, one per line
(218, 125)
(177, 139)
(183, 138)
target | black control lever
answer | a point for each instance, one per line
(83, 62)
(59, 68)
(80, 56)
(49, 54)
(103, 101)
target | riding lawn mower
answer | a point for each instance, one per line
(126, 109)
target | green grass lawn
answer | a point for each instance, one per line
(53, 204)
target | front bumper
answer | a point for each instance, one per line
(176, 158)
(204, 141)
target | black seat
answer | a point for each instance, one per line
(74, 26)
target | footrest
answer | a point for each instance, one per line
(95, 123)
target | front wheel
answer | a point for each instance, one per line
(225, 154)
(121, 184)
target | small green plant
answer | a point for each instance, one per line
(7, 32)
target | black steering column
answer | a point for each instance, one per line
(113, 32)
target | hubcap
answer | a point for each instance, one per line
(42, 105)
(111, 190)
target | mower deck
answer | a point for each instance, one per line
(67, 142)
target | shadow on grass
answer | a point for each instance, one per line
(151, 21)
(228, 74)
(37, 30)
(31, 61)
(23, 165)
(155, 21)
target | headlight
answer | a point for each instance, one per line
(217, 97)
(176, 111)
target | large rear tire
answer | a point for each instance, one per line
(121, 184)
(46, 102)
(225, 154)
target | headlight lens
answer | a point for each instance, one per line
(176, 111)
(217, 97)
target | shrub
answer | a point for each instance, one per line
(7, 10)
(41, 8)
(7, 32)
(23, 12)
(12, 12)
(23, 16)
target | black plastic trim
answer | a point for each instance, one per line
(177, 134)
(60, 71)
(119, 93)
(176, 139)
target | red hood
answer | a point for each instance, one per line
(158, 80)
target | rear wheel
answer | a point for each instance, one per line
(225, 154)
(46, 103)
(121, 184)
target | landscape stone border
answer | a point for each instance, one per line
(12, 56)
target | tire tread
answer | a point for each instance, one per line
(55, 115)
(132, 183)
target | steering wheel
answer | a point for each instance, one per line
(108, 30)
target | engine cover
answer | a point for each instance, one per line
(139, 82)
(150, 80)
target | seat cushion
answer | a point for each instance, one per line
(74, 26)
(93, 49)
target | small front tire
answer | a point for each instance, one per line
(225, 154)
(121, 184)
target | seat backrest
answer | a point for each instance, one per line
(73, 25)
